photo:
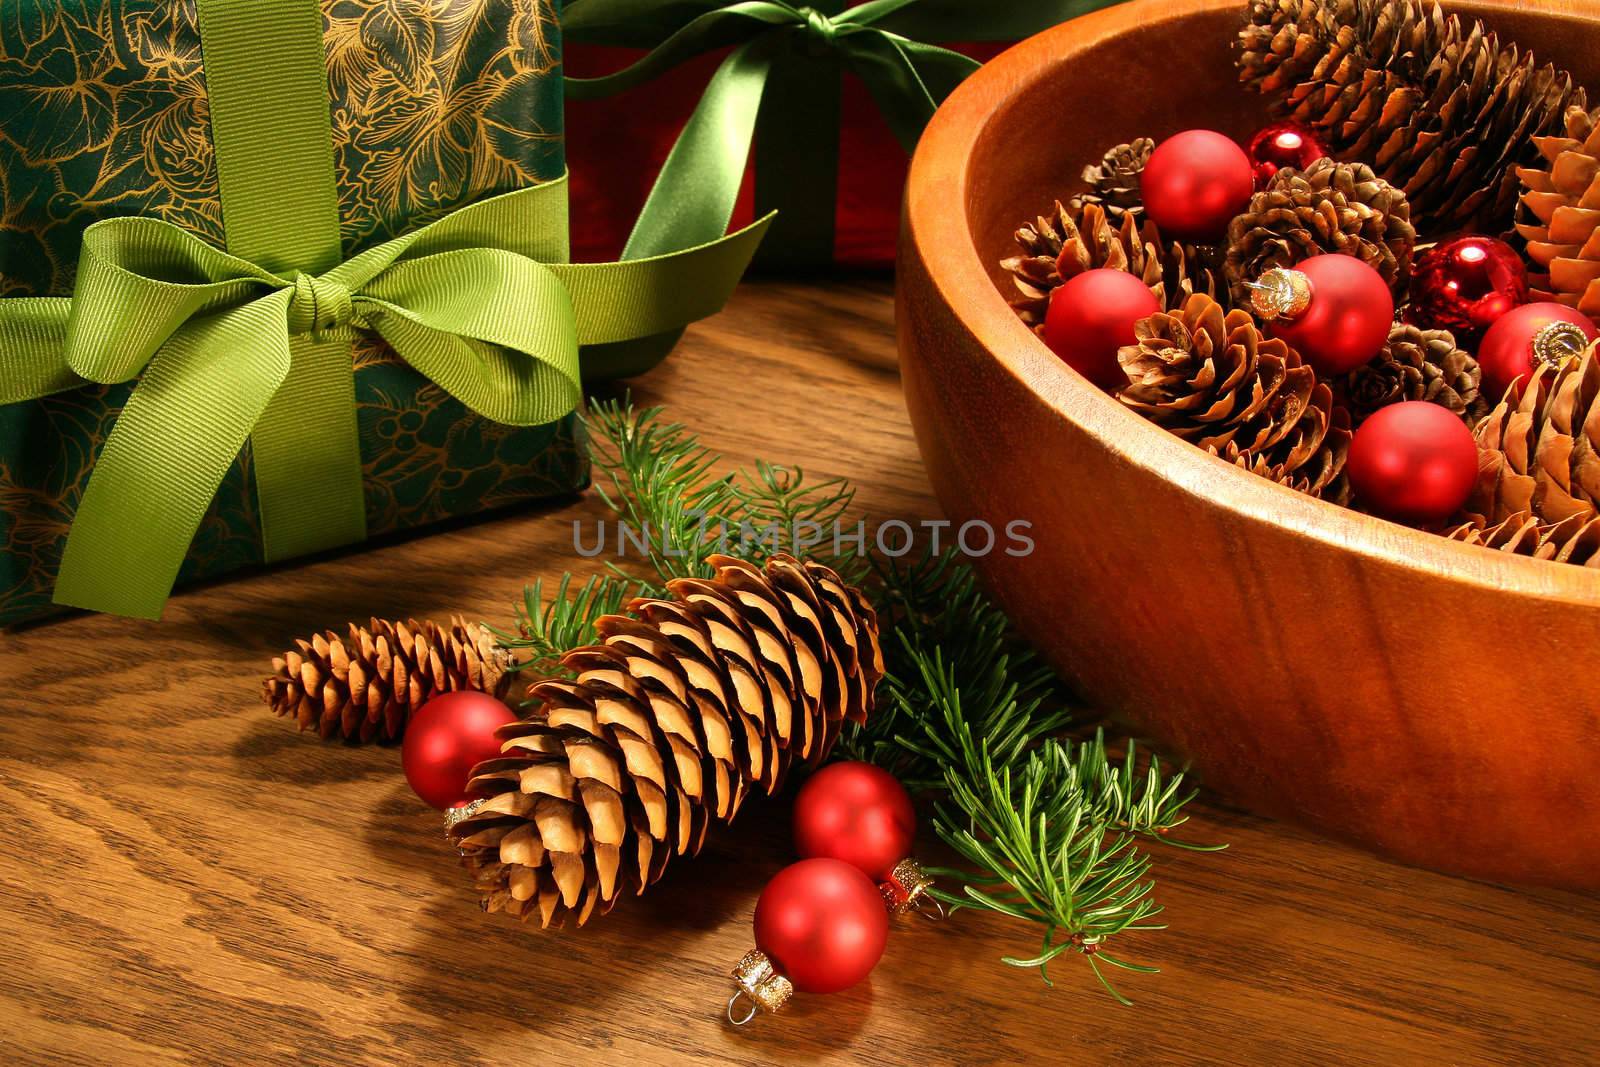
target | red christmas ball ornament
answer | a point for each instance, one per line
(1334, 310)
(1194, 183)
(1465, 285)
(857, 813)
(820, 927)
(860, 814)
(1284, 144)
(445, 739)
(1533, 333)
(1092, 315)
(1413, 462)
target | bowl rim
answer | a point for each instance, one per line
(961, 278)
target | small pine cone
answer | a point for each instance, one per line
(1437, 106)
(1080, 238)
(366, 688)
(1559, 214)
(1574, 540)
(1416, 364)
(1330, 207)
(1114, 181)
(1211, 378)
(1539, 449)
(685, 707)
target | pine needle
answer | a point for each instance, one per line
(1053, 831)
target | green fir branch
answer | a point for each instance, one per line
(658, 479)
(548, 627)
(1053, 831)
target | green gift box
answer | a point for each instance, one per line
(280, 277)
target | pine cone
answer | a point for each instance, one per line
(366, 689)
(1574, 540)
(1079, 238)
(1114, 181)
(1559, 215)
(686, 706)
(1211, 378)
(1438, 108)
(1330, 207)
(1416, 364)
(1539, 449)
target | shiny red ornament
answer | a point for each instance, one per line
(1092, 315)
(1194, 183)
(1465, 285)
(1284, 144)
(1414, 462)
(857, 813)
(445, 739)
(1341, 319)
(1543, 332)
(822, 924)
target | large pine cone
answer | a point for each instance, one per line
(1416, 364)
(1211, 378)
(1559, 215)
(1539, 449)
(367, 687)
(1114, 181)
(1080, 236)
(685, 706)
(1330, 207)
(1438, 108)
(1574, 541)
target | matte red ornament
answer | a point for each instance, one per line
(857, 813)
(1543, 332)
(445, 739)
(1194, 183)
(1337, 314)
(1091, 316)
(822, 924)
(1284, 144)
(1414, 462)
(1465, 285)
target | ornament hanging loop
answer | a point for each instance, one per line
(750, 1008)
(762, 987)
(930, 908)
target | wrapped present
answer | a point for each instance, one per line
(275, 278)
(760, 105)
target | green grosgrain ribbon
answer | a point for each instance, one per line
(881, 41)
(471, 301)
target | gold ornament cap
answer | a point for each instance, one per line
(1280, 293)
(455, 815)
(760, 984)
(907, 890)
(1558, 341)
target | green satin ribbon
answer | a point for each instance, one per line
(255, 341)
(478, 302)
(882, 41)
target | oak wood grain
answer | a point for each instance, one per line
(185, 879)
(1384, 684)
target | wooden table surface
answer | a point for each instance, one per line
(187, 879)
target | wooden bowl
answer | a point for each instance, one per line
(1434, 701)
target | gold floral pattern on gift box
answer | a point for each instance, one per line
(103, 113)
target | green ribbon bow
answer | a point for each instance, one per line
(255, 342)
(801, 49)
(468, 301)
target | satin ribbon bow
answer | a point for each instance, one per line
(882, 41)
(478, 302)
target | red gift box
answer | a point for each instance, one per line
(616, 146)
